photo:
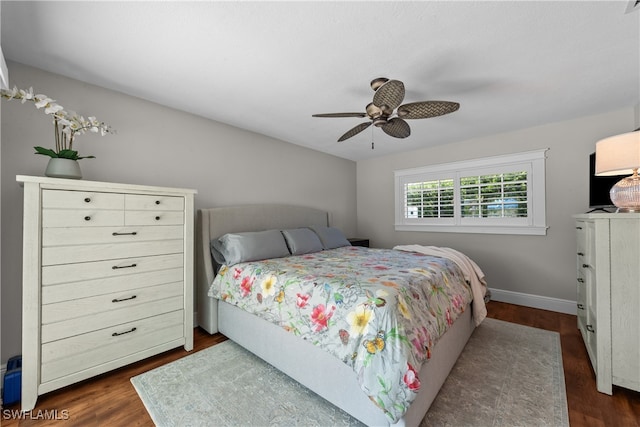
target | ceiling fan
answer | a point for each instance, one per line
(388, 96)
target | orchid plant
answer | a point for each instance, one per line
(67, 124)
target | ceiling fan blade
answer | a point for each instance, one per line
(390, 94)
(354, 131)
(397, 128)
(426, 109)
(340, 115)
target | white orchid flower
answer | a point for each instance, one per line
(62, 121)
(52, 108)
(10, 94)
(26, 95)
(42, 101)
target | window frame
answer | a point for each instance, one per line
(533, 162)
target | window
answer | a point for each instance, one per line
(501, 194)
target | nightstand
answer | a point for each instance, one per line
(356, 241)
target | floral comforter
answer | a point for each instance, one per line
(380, 311)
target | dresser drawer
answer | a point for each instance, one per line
(84, 235)
(581, 243)
(152, 217)
(581, 294)
(581, 235)
(592, 340)
(107, 319)
(67, 273)
(63, 199)
(117, 251)
(131, 298)
(139, 202)
(82, 218)
(74, 354)
(101, 286)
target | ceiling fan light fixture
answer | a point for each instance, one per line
(373, 112)
(376, 83)
(380, 121)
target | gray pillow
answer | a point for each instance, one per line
(233, 248)
(302, 241)
(330, 237)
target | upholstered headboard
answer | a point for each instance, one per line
(215, 222)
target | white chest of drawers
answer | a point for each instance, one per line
(608, 296)
(107, 278)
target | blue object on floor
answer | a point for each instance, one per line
(12, 385)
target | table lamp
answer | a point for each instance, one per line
(619, 155)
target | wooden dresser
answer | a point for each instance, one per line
(608, 296)
(107, 278)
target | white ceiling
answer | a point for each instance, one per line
(268, 66)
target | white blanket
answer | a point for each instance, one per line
(470, 269)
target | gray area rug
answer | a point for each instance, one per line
(507, 375)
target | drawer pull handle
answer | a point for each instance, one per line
(585, 265)
(157, 202)
(124, 299)
(87, 218)
(580, 279)
(115, 267)
(578, 228)
(157, 218)
(115, 233)
(87, 199)
(580, 254)
(117, 334)
(590, 328)
(581, 306)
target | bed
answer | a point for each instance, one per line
(337, 382)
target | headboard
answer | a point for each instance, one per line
(215, 222)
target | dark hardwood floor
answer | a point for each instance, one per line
(110, 399)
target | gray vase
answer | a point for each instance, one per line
(63, 168)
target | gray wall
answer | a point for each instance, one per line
(156, 145)
(536, 265)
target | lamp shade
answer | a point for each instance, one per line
(618, 155)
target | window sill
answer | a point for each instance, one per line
(480, 229)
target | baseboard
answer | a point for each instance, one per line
(534, 301)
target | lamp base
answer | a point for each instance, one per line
(625, 195)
